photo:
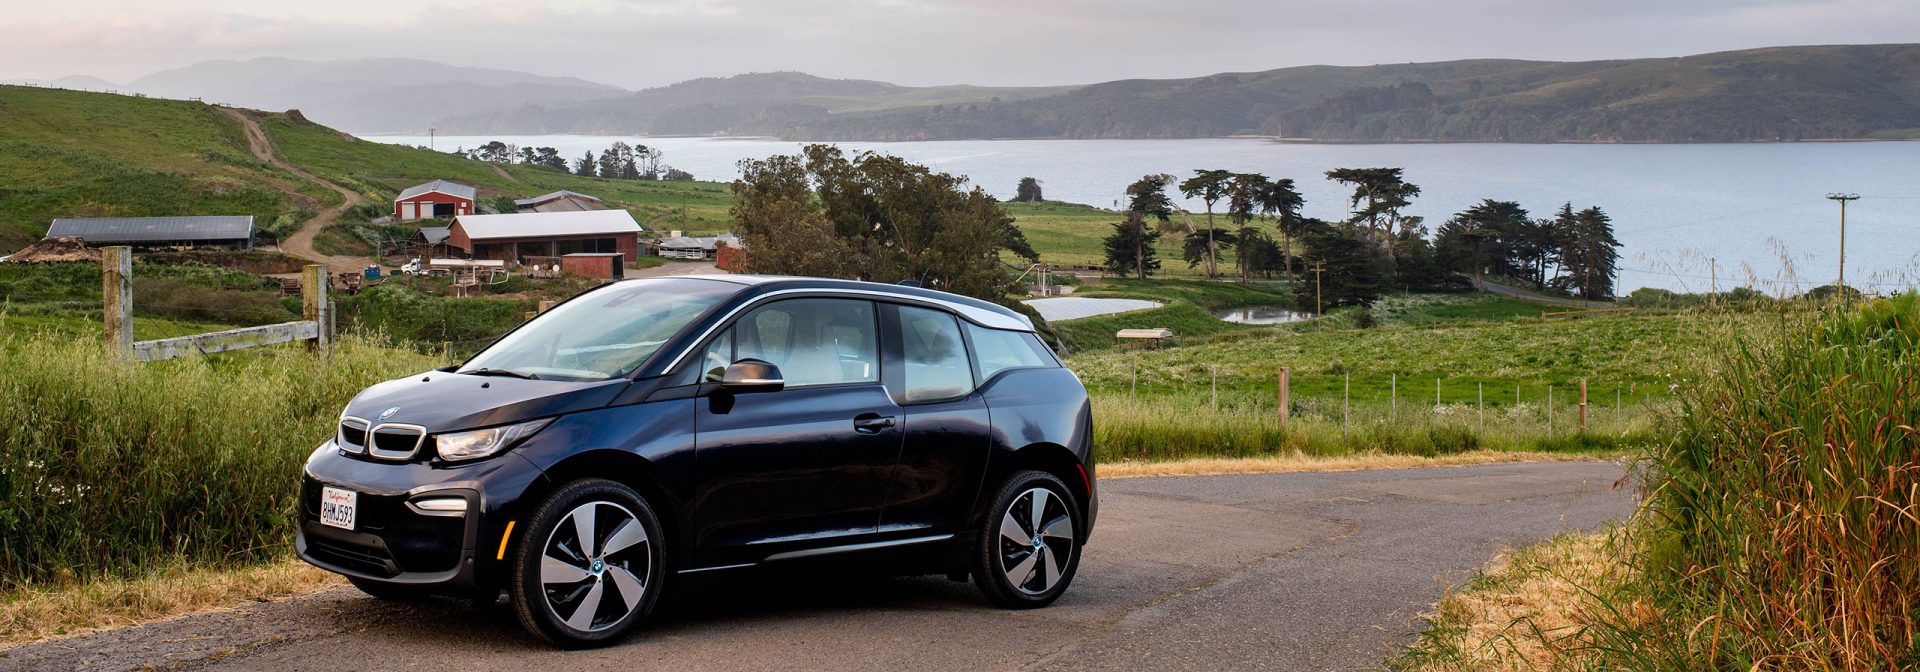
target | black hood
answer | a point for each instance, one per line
(445, 402)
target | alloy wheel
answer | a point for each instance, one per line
(594, 566)
(1036, 540)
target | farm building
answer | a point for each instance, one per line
(547, 234)
(234, 231)
(438, 199)
(431, 241)
(559, 201)
(693, 247)
(606, 266)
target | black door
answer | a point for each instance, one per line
(948, 433)
(806, 467)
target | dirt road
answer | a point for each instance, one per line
(300, 244)
(1326, 571)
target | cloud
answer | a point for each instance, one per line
(650, 42)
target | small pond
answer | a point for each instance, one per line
(1262, 315)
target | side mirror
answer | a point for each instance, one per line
(752, 375)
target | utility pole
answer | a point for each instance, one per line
(1843, 199)
(1319, 308)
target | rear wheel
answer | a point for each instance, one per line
(588, 570)
(1028, 546)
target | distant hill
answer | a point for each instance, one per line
(366, 95)
(1785, 93)
(757, 103)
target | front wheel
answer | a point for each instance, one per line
(1028, 545)
(589, 568)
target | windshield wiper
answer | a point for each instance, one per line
(500, 372)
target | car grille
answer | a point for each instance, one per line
(371, 561)
(397, 442)
(353, 435)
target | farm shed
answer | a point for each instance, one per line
(232, 231)
(546, 234)
(438, 199)
(694, 247)
(606, 266)
(431, 241)
(559, 201)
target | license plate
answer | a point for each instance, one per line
(337, 507)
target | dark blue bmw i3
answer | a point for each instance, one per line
(650, 429)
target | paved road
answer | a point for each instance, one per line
(1273, 571)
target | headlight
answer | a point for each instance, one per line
(480, 443)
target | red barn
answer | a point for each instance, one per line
(438, 199)
(545, 234)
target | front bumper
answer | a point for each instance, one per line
(393, 541)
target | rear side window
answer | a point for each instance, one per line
(997, 350)
(936, 358)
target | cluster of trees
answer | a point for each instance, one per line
(1378, 246)
(1028, 191)
(620, 161)
(1572, 252)
(873, 217)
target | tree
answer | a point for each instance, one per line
(1385, 194)
(1148, 197)
(873, 217)
(1280, 201)
(1202, 246)
(1028, 191)
(1244, 191)
(1131, 248)
(1482, 239)
(1353, 271)
(586, 165)
(1589, 253)
(1209, 186)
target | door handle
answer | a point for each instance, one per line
(870, 423)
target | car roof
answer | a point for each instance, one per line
(984, 313)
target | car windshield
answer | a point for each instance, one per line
(604, 334)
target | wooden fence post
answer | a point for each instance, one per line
(313, 304)
(116, 296)
(1583, 405)
(1393, 399)
(1213, 376)
(1283, 397)
(1549, 412)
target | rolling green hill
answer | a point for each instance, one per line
(75, 154)
(1784, 93)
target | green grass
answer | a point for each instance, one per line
(1072, 234)
(73, 154)
(108, 468)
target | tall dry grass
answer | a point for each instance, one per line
(109, 468)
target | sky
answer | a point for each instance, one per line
(642, 43)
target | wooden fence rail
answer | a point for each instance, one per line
(117, 294)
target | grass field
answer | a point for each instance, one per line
(72, 154)
(1072, 234)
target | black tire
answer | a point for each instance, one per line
(391, 592)
(999, 559)
(542, 586)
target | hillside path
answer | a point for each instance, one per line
(1326, 571)
(300, 244)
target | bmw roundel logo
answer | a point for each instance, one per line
(389, 412)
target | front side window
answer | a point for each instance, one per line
(936, 358)
(813, 341)
(603, 334)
